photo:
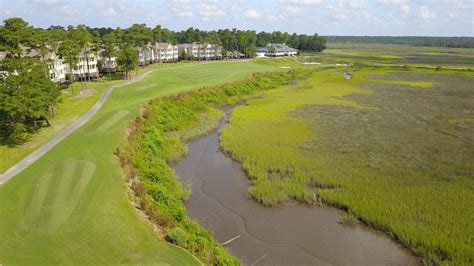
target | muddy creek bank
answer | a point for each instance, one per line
(289, 235)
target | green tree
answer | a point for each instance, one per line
(213, 37)
(83, 38)
(69, 51)
(27, 97)
(127, 60)
(14, 34)
(42, 43)
(138, 35)
(108, 43)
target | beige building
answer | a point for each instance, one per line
(56, 66)
(200, 51)
(146, 55)
(165, 52)
(109, 64)
(86, 67)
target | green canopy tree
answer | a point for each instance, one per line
(42, 42)
(108, 43)
(82, 37)
(14, 34)
(27, 97)
(127, 60)
(69, 51)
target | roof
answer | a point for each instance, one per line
(35, 53)
(162, 45)
(279, 47)
(200, 45)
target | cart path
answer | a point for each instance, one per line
(32, 157)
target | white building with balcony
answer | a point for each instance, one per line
(200, 51)
(85, 68)
(56, 66)
(276, 49)
(146, 55)
(166, 52)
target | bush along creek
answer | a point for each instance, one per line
(158, 137)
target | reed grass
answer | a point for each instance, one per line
(381, 145)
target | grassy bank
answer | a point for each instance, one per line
(382, 145)
(159, 137)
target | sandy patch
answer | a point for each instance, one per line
(145, 87)
(84, 93)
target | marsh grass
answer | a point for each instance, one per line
(381, 145)
(348, 218)
(393, 55)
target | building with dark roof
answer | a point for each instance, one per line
(276, 49)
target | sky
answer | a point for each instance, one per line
(325, 17)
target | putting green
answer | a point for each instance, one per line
(71, 205)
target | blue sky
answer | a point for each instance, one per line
(326, 17)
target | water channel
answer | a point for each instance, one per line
(290, 235)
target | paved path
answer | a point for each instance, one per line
(21, 165)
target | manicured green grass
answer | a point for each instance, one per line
(383, 145)
(67, 111)
(47, 215)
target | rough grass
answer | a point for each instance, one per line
(393, 55)
(388, 152)
(103, 228)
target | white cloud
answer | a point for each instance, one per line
(302, 2)
(205, 10)
(391, 2)
(237, 5)
(182, 13)
(45, 2)
(251, 13)
(110, 12)
(210, 10)
(405, 8)
(426, 14)
(181, 9)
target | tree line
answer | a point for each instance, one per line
(453, 42)
(244, 41)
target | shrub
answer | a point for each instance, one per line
(178, 236)
(19, 133)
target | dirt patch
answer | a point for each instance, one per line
(84, 93)
(146, 87)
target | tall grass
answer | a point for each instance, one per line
(383, 149)
(158, 137)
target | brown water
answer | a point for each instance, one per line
(289, 235)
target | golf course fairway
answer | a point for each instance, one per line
(71, 205)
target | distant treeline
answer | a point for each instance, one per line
(245, 41)
(455, 42)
